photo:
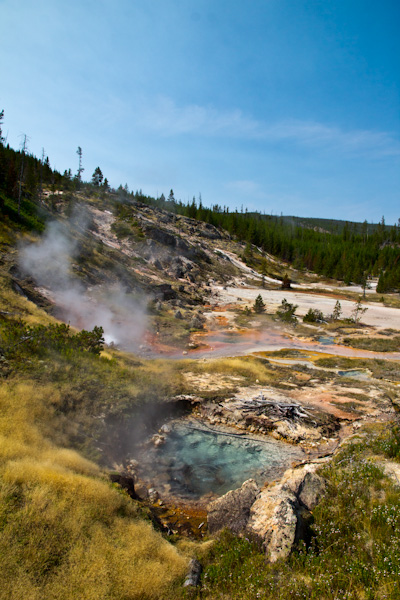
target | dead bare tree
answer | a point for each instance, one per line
(24, 147)
(80, 168)
(41, 177)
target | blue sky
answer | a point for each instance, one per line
(282, 106)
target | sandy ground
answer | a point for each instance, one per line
(377, 315)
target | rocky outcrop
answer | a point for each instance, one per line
(164, 292)
(273, 522)
(273, 412)
(276, 517)
(233, 509)
(174, 242)
(209, 231)
(126, 482)
(280, 516)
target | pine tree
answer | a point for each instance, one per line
(337, 311)
(259, 305)
(97, 177)
(24, 148)
(286, 312)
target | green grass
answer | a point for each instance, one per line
(388, 443)
(375, 344)
(381, 369)
(26, 219)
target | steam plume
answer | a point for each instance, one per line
(49, 262)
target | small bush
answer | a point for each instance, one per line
(313, 316)
(286, 312)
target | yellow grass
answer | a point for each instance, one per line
(251, 368)
(66, 532)
(20, 306)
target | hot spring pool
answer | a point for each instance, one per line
(355, 374)
(195, 460)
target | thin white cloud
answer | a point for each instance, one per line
(165, 118)
(246, 186)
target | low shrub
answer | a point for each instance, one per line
(313, 316)
(286, 312)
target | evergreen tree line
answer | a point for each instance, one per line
(350, 252)
(25, 179)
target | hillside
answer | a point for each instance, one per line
(124, 319)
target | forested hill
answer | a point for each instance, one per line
(346, 251)
(342, 250)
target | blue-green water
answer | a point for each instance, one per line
(195, 461)
(326, 340)
(355, 374)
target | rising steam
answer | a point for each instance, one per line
(49, 262)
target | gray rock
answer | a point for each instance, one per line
(196, 323)
(281, 516)
(307, 486)
(157, 264)
(153, 495)
(311, 490)
(273, 522)
(178, 315)
(233, 509)
(193, 576)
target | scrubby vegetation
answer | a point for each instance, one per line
(65, 530)
(314, 315)
(375, 344)
(381, 369)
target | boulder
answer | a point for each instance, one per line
(164, 291)
(312, 490)
(232, 510)
(281, 515)
(307, 486)
(273, 522)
